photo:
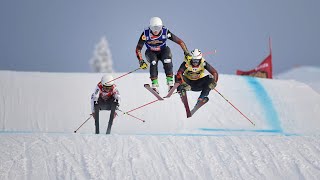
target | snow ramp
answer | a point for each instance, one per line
(60, 102)
(40, 111)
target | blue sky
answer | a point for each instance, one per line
(60, 36)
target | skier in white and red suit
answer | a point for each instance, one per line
(105, 97)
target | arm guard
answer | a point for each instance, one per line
(140, 46)
(212, 71)
(94, 97)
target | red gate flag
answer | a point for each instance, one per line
(264, 70)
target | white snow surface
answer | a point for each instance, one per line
(40, 111)
(307, 74)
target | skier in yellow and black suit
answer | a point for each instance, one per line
(191, 75)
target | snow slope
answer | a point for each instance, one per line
(306, 74)
(40, 111)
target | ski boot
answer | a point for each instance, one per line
(170, 82)
(200, 99)
(155, 85)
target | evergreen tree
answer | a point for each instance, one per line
(102, 58)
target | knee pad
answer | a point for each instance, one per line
(154, 63)
(167, 61)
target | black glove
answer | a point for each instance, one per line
(117, 103)
(185, 86)
(143, 65)
(93, 115)
(212, 85)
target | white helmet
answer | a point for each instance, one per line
(196, 54)
(196, 57)
(155, 24)
(107, 80)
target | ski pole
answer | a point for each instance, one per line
(210, 52)
(234, 107)
(82, 124)
(125, 74)
(147, 104)
(142, 106)
(131, 115)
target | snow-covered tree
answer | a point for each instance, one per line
(102, 58)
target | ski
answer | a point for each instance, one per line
(201, 103)
(147, 86)
(174, 87)
(184, 100)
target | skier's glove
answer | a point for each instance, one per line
(212, 85)
(93, 115)
(143, 65)
(187, 57)
(186, 86)
(117, 103)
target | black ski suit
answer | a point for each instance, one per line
(101, 104)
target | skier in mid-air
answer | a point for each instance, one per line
(105, 97)
(155, 37)
(191, 77)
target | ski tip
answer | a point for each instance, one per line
(145, 85)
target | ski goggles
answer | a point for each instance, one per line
(195, 61)
(155, 28)
(107, 87)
